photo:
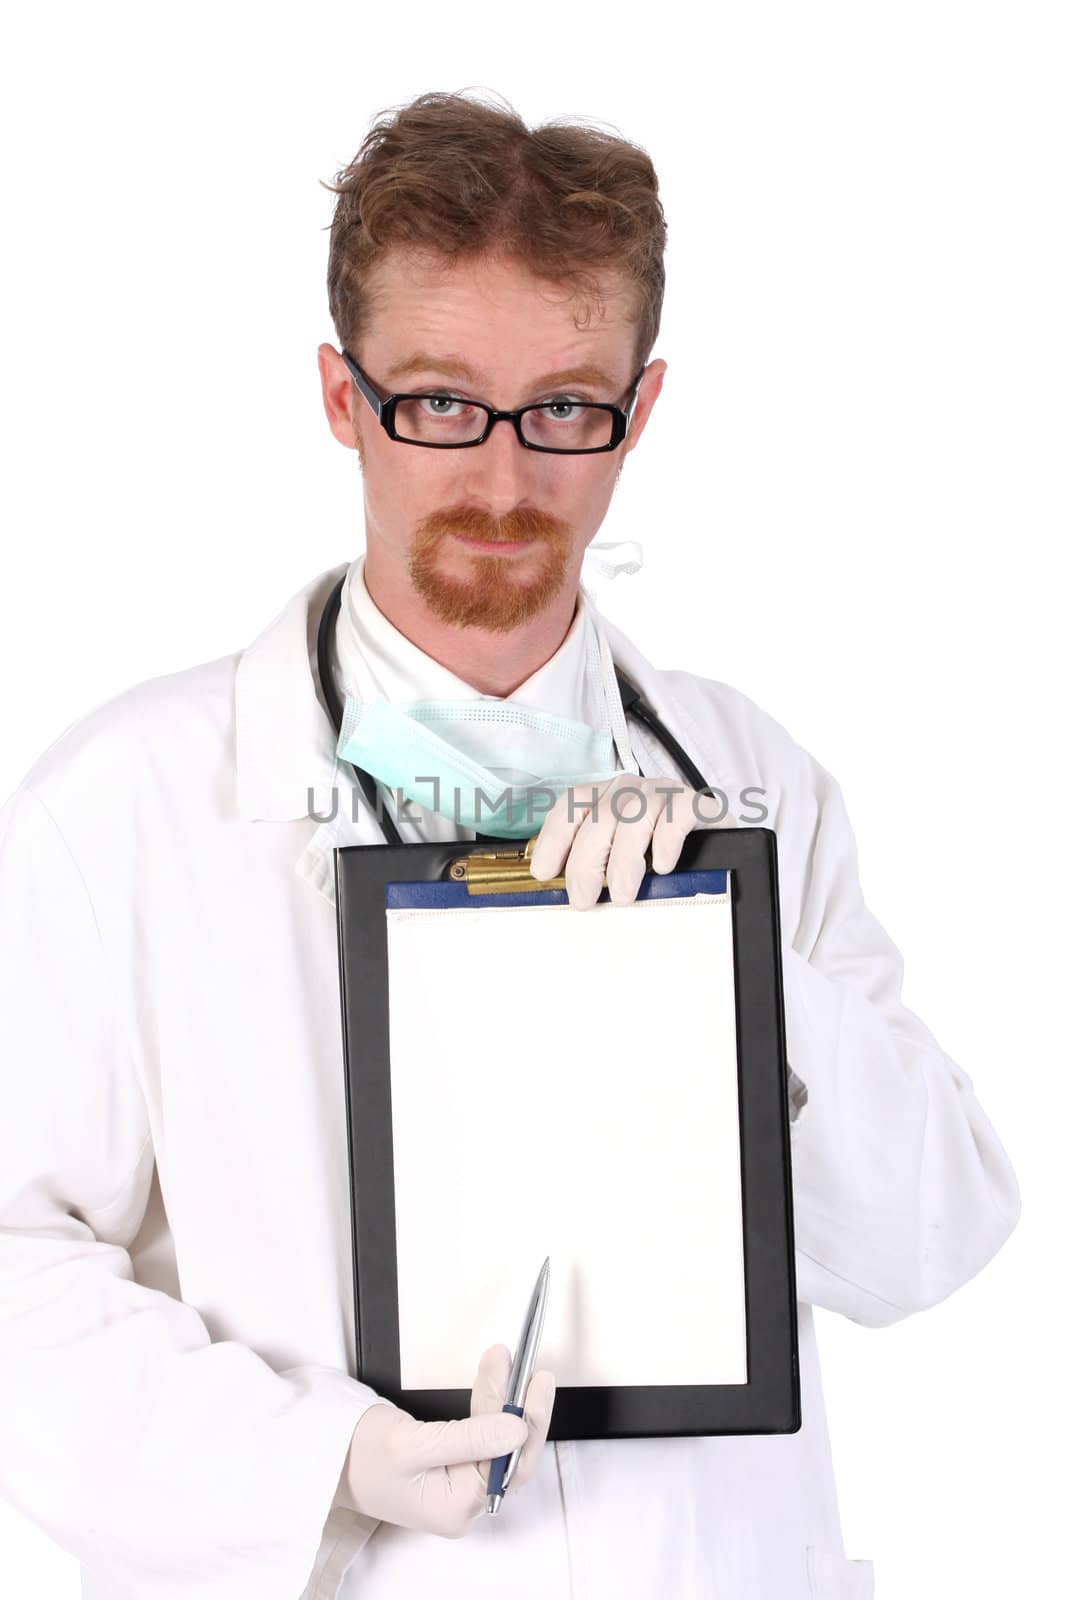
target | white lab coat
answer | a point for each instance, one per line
(176, 1319)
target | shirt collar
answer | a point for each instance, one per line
(374, 658)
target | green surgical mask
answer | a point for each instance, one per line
(492, 765)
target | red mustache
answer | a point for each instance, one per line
(519, 524)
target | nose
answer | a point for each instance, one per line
(501, 469)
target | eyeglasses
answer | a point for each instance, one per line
(439, 420)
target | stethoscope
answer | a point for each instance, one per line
(631, 703)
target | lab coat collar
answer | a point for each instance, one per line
(285, 743)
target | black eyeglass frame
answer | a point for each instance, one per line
(384, 408)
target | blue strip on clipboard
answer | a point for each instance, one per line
(654, 886)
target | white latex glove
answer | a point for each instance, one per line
(613, 841)
(434, 1475)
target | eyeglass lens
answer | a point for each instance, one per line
(559, 425)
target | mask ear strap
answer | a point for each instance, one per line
(616, 711)
(627, 556)
(607, 558)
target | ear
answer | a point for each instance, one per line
(651, 384)
(337, 397)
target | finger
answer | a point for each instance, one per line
(490, 1388)
(670, 833)
(638, 807)
(537, 1413)
(590, 848)
(612, 842)
(673, 819)
(557, 831)
(468, 1439)
(491, 1381)
(489, 1391)
(451, 1500)
(540, 1398)
(694, 811)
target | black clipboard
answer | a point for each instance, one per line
(459, 871)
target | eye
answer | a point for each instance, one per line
(562, 407)
(437, 404)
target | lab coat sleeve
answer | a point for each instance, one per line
(167, 1464)
(901, 1188)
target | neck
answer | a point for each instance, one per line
(491, 662)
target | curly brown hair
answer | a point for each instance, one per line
(457, 177)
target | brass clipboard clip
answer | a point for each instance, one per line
(501, 871)
(508, 871)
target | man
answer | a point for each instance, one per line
(176, 1309)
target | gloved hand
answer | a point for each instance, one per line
(614, 837)
(434, 1475)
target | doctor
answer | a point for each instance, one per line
(176, 1318)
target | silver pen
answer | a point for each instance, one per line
(521, 1371)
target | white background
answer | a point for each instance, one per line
(851, 500)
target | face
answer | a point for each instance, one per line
(434, 516)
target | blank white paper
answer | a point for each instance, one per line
(564, 1083)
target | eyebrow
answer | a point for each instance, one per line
(456, 367)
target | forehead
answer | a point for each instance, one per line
(493, 314)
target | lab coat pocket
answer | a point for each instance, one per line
(833, 1577)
